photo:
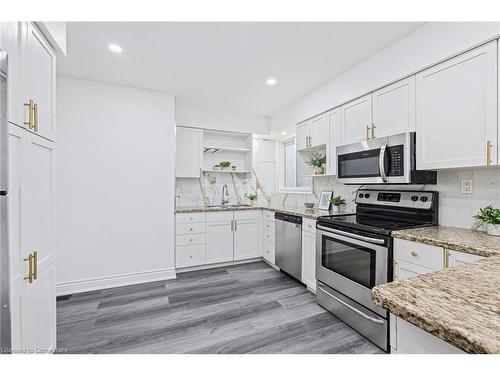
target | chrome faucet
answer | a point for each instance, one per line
(225, 195)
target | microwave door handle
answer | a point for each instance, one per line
(381, 162)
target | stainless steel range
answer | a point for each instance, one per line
(354, 253)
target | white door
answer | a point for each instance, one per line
(333, 140)
(39, 80)
(319, 131)
(188, 152)
(33, 303)
(246, 239)
(394, 108)
(356, 120)
(303, 134)
(457, 111)
(219, 241)
(309, 259)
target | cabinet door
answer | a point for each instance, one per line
(11, 40)
(246, 239)
(457, 111)
(269, 251)
(333, 140)
(39, 68)
(188, 152)
(405, 270)
(219, 242)
(319, 131)
(457, 258)
(303, 134)
(309, 260)
(394, 108)
(356, 118)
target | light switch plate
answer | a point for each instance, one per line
(467, 186)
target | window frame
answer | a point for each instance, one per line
(280, 169)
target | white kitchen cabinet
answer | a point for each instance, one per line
(188, 152)
(309, 255)
(393, 109)
(269, 251)
(31, 203)
(457, 111)
(39, 82)
(413, 258)
(246, 239)
(312, 133)
(457, 258)
(356, 120)
(220, 241)
(334, 139)
(302, 137)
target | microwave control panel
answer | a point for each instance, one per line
(396, 161)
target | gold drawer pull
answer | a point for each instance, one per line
(30, 106)
(35, 265)
(413, 253)
(29, 259)
(35, 117)
(367, 132)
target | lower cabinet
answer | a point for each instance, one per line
(268, 237)
(246, 239)
(220, 241)
(309, 253)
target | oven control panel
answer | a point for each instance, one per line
(407, 199)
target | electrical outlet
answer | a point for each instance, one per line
(467, 185)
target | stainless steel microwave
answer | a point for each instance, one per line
(385, 160)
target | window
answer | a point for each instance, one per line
(290, 180)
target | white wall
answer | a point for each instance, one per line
(424, 47)
(220, 120)
(115, 185)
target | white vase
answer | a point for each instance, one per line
(493, 229)
(335, 209)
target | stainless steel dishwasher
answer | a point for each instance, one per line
(289, 244)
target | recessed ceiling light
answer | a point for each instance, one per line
(283, 133)
(271, 81)
(115, 48)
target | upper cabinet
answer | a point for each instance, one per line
(457, 111)
(356, 120)
(393, 109)
(188, 152)
(312, 133)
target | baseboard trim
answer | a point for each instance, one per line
(114, 281)
(217, 265)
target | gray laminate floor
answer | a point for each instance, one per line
(250, 308)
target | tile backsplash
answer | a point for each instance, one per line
(455, 209)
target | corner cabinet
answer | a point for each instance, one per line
(188, 152)
(457, 111)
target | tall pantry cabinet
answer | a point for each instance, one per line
(31, 197)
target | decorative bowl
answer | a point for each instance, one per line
(309, 205)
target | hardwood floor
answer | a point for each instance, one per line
(249, 308)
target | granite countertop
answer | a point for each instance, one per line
(299, 211)
(460, 305)
(465, 240)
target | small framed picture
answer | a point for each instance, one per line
(324, 200)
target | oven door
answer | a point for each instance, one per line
(351, 264)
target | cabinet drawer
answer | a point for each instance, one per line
(190, 228)
(268, 236)
(268, 215)
(246, 215)
(418, 253)
(268, 225)
(190, 239)
(268, 251)
(195, 217)
(191, 255)
(219, 216)
(309, 225)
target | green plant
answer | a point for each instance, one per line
(337, 201)
(317, 159)
(225, 164)
(251, 196)
(488, 215)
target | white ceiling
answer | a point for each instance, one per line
(224, 66)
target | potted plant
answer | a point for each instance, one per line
(252, 197)
(225, 164)
(491, 217)
(318, 162)
(337, 202)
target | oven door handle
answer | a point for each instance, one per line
(352, 235)
(359, 312)
(381, 162)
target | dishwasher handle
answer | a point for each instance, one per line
(289, 218)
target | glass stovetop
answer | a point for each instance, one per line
(378, 225)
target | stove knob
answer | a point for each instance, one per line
(361, 195)
(367, 195)
(423, 199)
(414, 198)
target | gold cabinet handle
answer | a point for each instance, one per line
(489, 146)
(35, 117)
(373, 130)
(29, 259)
(30, 106)
(447, 254)
(35, 265)
(413, 253)
(367, 132)
(394, 268)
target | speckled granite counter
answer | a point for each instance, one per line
(460, 305)
(299, 211)
(465, 240)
